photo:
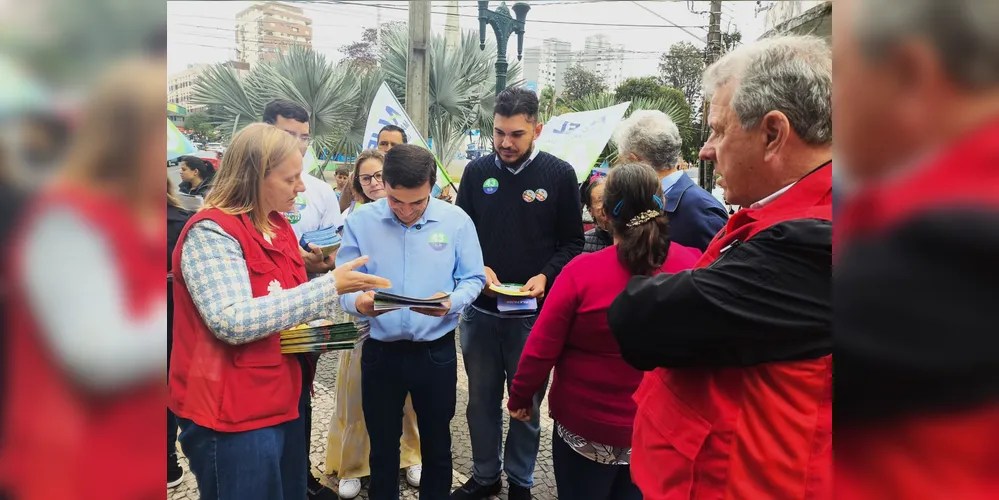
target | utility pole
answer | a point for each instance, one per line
(706, 172)
(418, 65)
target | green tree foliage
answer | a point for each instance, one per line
(581, 82)
(682, 68)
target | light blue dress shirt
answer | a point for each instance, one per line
(440, 253)
(671, 179)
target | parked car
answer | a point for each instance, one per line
(215, 146)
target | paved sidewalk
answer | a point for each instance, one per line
(544, 476)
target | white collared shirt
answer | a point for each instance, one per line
(769, 199)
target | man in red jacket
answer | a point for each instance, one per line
(739, 402)
(917, 391)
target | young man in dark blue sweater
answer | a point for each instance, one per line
(526, 210)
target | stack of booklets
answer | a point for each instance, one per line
(385, 301)
(326, 239)
(323, 338)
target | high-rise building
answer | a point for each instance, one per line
(554, 59)
(531, 65)
(180, 87)
(605, 59)
(266, 30)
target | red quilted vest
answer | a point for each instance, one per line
(757, 432)
(233, 388)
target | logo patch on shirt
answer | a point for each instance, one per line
(438, 241)
(528, 196)
(540, 195)
(296, 215)
(490, 186)
(273, 287)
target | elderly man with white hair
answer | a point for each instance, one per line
(739, 400)
(651, 137)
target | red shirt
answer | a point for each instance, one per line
(591, 392)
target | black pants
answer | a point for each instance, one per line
(307, 361)
(579, 478)
(428, 372)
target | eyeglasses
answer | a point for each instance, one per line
(303, 138)
(366, 179)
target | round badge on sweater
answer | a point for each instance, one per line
(540, 195)
(438, 241)
(528, 196)
(490, 186)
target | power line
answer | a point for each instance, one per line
(542, 21)
(684, 28)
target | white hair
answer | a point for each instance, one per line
(790, 74)
(652, 136)
(965, 33)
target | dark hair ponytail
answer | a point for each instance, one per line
(633, 195)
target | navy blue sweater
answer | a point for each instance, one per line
(528, 224)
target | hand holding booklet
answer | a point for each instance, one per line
(328, 240)
(385, 301)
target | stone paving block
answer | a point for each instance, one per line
(323, 402)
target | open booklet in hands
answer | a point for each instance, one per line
(385, 301)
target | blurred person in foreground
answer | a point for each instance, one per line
(525, 206)
(176, 219)
(651, 137)
(590, 398)
(591, 194)
(428, 248)
(738, 402)
(347, 443)
(241, 280)
(917, 274)
(88, 314)
(314, 209)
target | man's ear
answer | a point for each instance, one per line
(537, 128)
(776, 129)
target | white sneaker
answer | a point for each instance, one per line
(413, 475)
(349, 488)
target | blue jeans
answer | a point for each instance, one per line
(262, 464)
(491, 348)
(579, 478)
(428, 372)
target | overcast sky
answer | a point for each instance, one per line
(204, 31)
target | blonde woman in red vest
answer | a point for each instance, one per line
(242, 280)
(87, 318)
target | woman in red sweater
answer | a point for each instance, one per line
(590, 397)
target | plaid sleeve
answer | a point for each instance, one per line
(215, 272)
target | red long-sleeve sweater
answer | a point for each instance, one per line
(592, 386)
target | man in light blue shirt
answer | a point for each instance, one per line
(426, 248)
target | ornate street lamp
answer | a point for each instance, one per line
(503, 26)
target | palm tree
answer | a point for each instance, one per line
(329, 93)
(678, 111)
(462, 86)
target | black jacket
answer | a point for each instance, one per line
(176, 220)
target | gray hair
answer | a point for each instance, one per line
(790, 74)
(965, 33)
(652, 136)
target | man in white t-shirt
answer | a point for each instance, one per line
(315, 208)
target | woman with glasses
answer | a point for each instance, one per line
(347, 448)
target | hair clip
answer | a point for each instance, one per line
(617, 208)
(658, 200)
